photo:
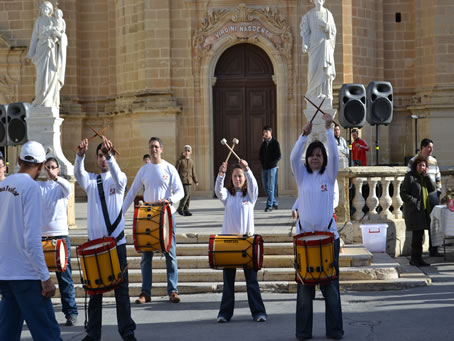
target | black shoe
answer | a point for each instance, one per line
(335, 337)
(275, 207)
(71, 320)
(423, 263)
(187, 213)
(435, 254)
(180, 212)
(130, 337)
(268, 209)
(88, 338)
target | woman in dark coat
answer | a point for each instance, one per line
(414, 192)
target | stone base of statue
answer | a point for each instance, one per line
(318, 124)
(44, 126)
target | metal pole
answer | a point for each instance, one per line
(377, 147)
(416, 136)
(349, 147)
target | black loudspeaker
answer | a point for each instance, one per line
(352, 105)
(379, 103)
(3, 124)
(17, 125)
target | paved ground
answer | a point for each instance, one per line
(418, 314)
(413, 314)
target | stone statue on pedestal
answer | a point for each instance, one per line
(48, 53)
(318, 31)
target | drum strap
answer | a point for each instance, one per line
(110, 227)
(329, 226)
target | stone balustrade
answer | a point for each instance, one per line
(386, 206)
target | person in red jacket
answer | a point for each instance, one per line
(359, 149)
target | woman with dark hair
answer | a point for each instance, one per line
(239, 200)
(316, 181)
(414, 192)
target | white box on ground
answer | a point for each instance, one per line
(374, 237)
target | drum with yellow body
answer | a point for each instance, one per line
(152, 228)
(100, 265)
(55, 253)
(314, 257)
(235, 251)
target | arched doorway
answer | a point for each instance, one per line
(244, 100)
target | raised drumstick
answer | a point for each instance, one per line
(235, 141)
(92, 137)
(224, 142)
(100, 135)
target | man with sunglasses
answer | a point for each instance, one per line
(162, 185)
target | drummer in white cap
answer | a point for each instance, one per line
(25, 282)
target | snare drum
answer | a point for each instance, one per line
(235, 251)
(55, 253)
(314, 257)
(152, 228)
(100, 265)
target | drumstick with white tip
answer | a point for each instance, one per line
(224, 142)
(234, 143)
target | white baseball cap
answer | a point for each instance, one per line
(33, 152)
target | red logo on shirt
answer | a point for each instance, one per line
(112, 190)
(245, 202)
(324, 188)
(165, 176)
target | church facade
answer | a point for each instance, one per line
(196, 71)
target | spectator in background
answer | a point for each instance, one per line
(185, 168)
(342, 146)
(427, 147)
(359, 149)
(2, 167)
(270, 154)
(146, 158)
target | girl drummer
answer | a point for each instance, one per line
(316, 180)
(239, 200)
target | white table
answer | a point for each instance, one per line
(441, 225)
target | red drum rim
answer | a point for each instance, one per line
(105, 244)
(297, 240)
(257, 252)
(59, 260)
(165, 211)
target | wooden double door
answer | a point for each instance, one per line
(244, 99)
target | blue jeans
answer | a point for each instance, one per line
(22, 300)
(269, 179)
(146, 266)
(66, 285)
(253, 294)
(333, 310)
(126, 324)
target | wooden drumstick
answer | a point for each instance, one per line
(92, 137)
(224, 142)
(234, 143)
(100, 135)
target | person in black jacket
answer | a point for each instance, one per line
(414, 192)
(270, 154)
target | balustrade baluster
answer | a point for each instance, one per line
(358, 200)
(385, 199)
(372, 200)
(397, 200)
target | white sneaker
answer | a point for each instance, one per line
(260, 318)
(221, 319)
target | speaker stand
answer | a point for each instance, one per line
(377, 147)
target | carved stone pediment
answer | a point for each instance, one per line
(245, 24)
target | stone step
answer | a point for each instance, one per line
(351, 255)
(160, 289)
(201, 262)
(80, 237)
(268, 274)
